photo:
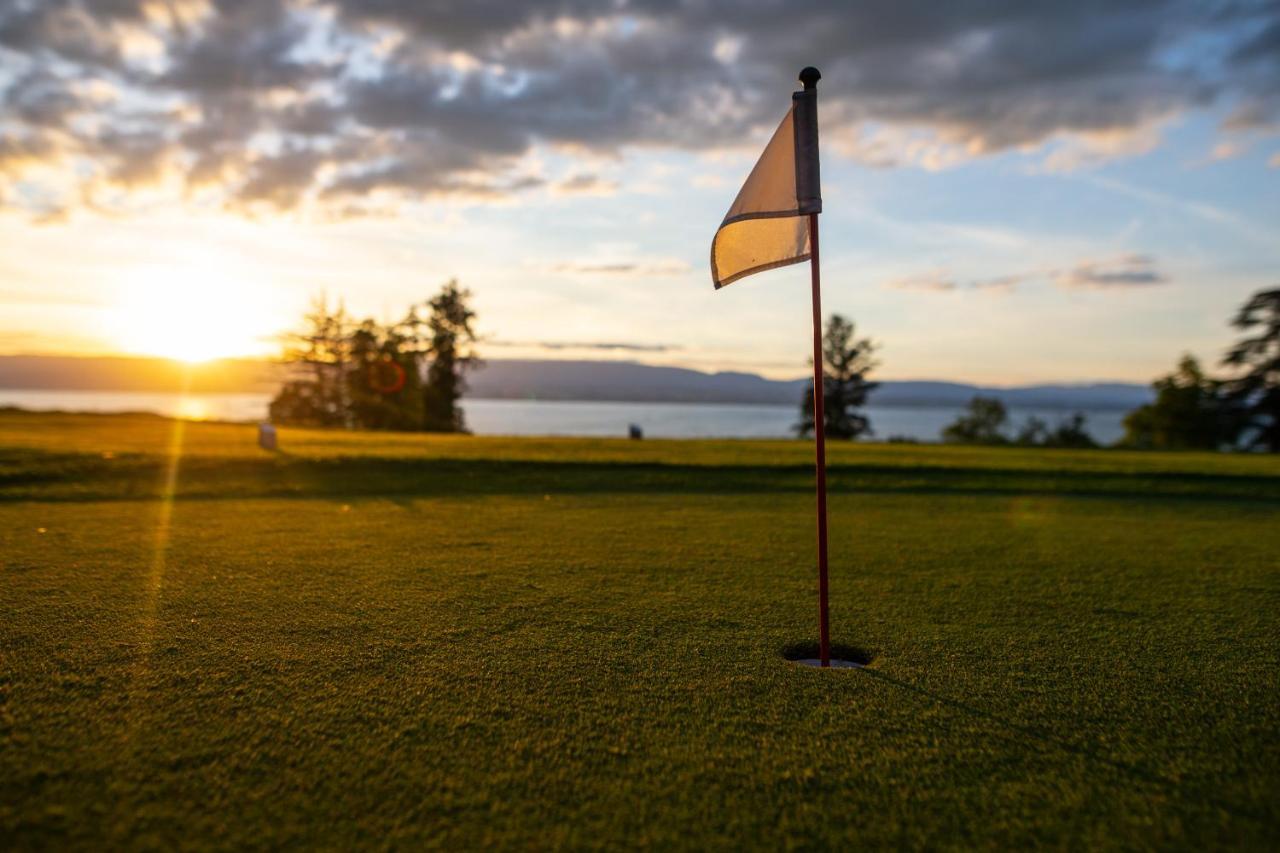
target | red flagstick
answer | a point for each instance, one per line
(820, 444)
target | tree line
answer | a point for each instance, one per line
(409, 375)
(1191, 409)
(405, 375)
(847, 360)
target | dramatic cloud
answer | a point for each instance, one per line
(275, 105)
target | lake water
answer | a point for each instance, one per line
(532, 417)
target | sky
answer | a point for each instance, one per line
(1013, 192)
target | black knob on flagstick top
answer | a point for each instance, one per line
(810, 77)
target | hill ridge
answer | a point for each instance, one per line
(550, 379)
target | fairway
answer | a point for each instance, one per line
(405, 640)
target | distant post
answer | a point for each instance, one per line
(267, 436)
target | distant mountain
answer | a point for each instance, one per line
(629, 381)
(548, 380)
(1094, 395)
(623, 381)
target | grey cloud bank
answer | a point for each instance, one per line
(275, 105)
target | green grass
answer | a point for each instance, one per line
(373, 640)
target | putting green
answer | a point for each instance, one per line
(398, 640)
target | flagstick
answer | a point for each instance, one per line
(820, 444)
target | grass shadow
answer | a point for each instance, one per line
(34, 475)
(1128, 769)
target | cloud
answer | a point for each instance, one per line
(1131, 270)
(1255, 63)
(1226, 150)
(603, 346)
(627, 268)
(1121, 272)
(585, 184)
(281, 181)
(286, 104)
(1091, 148)
(938, 281)
(1003, 283)
(941, 281)
(18, 153)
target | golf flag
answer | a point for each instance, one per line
(774, 222)
(768, 224)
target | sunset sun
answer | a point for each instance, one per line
(190, 314)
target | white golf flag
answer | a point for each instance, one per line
(768, 224)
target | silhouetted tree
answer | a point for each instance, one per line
(846, 362)
(385, 379)
(1255, 393)
(372, 375)
(1070, 433)
(981, 424)
(1033, 432)
(450, 344)
(1190, 412)
(316, 394)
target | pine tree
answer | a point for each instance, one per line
(450, 345)
(981, 423)
(316, 393)
(845, 365)
(1255, 393)
(1188, 413)
(384, 380)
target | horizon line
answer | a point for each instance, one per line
(201, 365)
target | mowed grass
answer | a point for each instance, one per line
(371, 640)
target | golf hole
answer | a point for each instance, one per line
(842, 656)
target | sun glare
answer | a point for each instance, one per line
(191, 314)
(192, 409)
